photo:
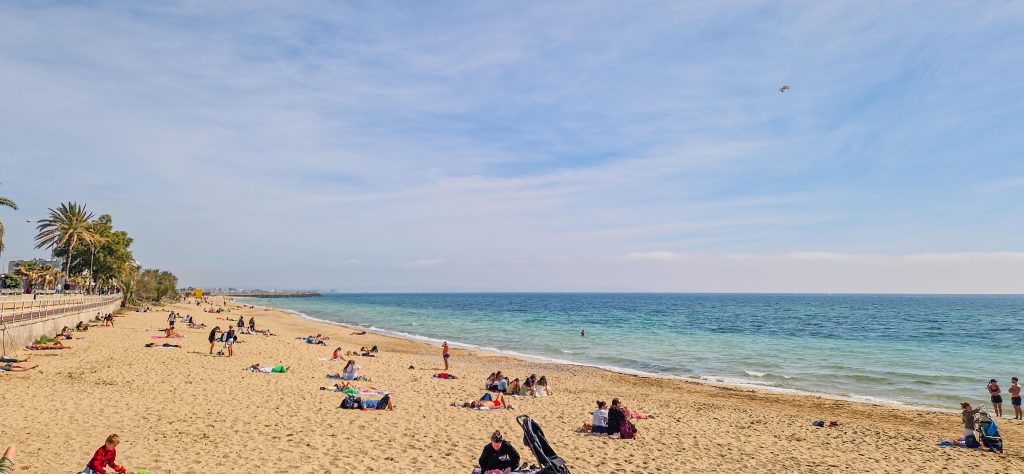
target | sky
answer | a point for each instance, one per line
(528, 146)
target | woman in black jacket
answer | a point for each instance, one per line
(498, 454)
(616, 417)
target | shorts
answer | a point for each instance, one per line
(6, 465)
(1015, 401)
(997, 399)
(447, 356)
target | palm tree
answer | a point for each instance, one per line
(8, 203)
(93, 240)
(30, 272)
(67, 226)
(128, 281)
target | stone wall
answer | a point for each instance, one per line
(26, 322)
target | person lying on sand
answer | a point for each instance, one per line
(497, 402)
(166, 344)
(48, 347)
(354, 390)
(15, 368)
(12, 360)
(277, 369)
(360, 333)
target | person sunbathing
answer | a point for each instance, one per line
(170, 333)
(358, 333)
(354, 390)
(15, 368)
(277, 369)
(12, 360)
(166, 344)
(48, 347)
(497, 402)
(384, 403)
(635, 414)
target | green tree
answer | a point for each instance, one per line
(128, 281)
(5, 202)
(65, 228)
(105, 254)
(155, 285)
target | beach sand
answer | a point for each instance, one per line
(184, 411)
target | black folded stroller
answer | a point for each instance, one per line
(533, 436)
(985, 426)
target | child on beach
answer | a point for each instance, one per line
(105, 457)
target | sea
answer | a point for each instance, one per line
(918, 350)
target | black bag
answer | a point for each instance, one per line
(971, 442)
(351, 402)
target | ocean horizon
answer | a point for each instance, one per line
(917, 350)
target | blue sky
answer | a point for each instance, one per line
(531, 145)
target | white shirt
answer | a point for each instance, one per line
(600, 418)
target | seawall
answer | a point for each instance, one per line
(23, 321)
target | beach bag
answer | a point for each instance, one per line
(628, 430)
(351, 402)
(971, 441)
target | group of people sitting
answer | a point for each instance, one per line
(362, 352)
(529, 387)
(614, 420)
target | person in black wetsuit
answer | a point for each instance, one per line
(498, 454)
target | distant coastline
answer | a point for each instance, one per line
(268, 294)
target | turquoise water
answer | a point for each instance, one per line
(918, 350)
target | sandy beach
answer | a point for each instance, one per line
(185, 411)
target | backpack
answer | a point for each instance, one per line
(351, 402)
(628, 430)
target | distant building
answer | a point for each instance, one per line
(57, 263)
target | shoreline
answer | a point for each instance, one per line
(182, 410)
(430, 341)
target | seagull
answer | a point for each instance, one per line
(784, 88)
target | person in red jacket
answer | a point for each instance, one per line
(104, 458)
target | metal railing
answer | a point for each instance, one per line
(27, 310)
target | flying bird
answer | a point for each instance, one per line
(784, 88)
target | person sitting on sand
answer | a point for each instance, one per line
(351, 371)
(492, 381)
(81, 326)
(166, 344)
(515, 386)
(616, 417)
(336, 355)
(528, 386)
(498, 455)
(15, 368)
(170, 333)
(64, 334)
(541, 389)
(599, 423)
(277, 369)
(497, 402)
(968, 414)
(105, 457)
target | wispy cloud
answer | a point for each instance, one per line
(374, 137)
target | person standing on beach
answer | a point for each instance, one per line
(997, 397)
(229, 341)
(252, 324)
(241, 322)
(170, 319)
(445, 354)
(1015, 399)
(213, 337)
